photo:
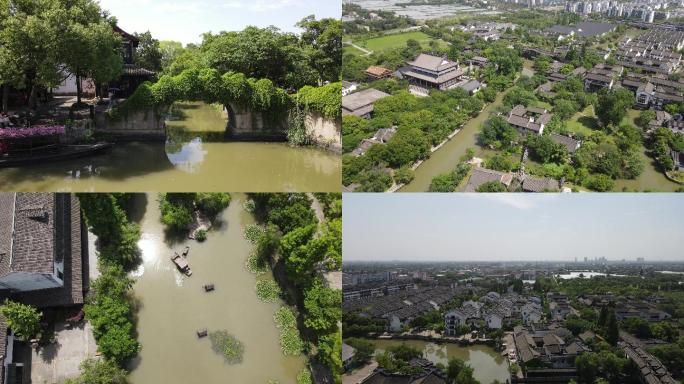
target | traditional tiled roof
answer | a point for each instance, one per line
(377, 71)
(358, 103)
(33, 245)
(133, 70)
(64, 227)
(533, 184)
(480, 176)
(348, 352)
(569, 143)
(433, 63)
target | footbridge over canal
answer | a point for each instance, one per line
(256, 110)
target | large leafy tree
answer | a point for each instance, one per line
(148, 54)
(612, 106)
(323, 307)
(30, 33)
(323, 41)
(99, 371)
(22, 319)
(44, 39)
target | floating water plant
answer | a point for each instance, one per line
(304, 376)
(253, 232)
(201, 235)
(286, 321)
(255, 265)
(267, 290)
(285, 318)
(227, 345)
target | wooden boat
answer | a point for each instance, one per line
(181, 264)
(208, 287)
(202, 332)
(187, 250)
(53, 153)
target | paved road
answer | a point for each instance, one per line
(362, 49)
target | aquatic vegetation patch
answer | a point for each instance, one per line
(253, 232)
(304, 376)
(255, 265)
(201, 235)
(267, 290)
(227, 345)
(249, 206)
(285, 318)
(290, 341)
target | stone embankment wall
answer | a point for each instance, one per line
(138, 125)
(326, 132)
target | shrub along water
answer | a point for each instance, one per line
(209, 86)
(301, 244)
(108, 307)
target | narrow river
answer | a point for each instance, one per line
(172, 307)
(487, 364)
(194, 158)
(448, 156)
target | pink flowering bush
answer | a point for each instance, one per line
(37, 130)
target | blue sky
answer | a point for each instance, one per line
(506, 227)
(186, 20)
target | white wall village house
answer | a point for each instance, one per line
(494, 320)
(531, 313)
(454, 319)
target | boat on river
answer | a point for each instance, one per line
(52, 153)
(181, 264)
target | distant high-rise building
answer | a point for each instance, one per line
(640, 259)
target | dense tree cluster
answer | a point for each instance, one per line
(41, 42)
(117, 236)
(110, 312)
(177, 209)
(288, 60)
(447, 182)
(421, 123)
(302, 244)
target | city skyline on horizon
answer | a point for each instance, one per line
(528, 228)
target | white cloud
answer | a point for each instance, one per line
(260, 5)
(521, 201)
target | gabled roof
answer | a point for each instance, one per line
(432, 63)
(358, 100)
(33, 247)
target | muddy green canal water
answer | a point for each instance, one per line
(195, 158)
(488, 365)
(172, 307)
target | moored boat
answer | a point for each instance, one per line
(181, 264)
(53, 153)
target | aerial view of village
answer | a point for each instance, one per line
(170, 288)
(512, 96)
(501, 288)
(109, 96)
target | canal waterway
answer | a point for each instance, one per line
(196, 157)
(449, 155)
(172, 307)
(487, 364)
